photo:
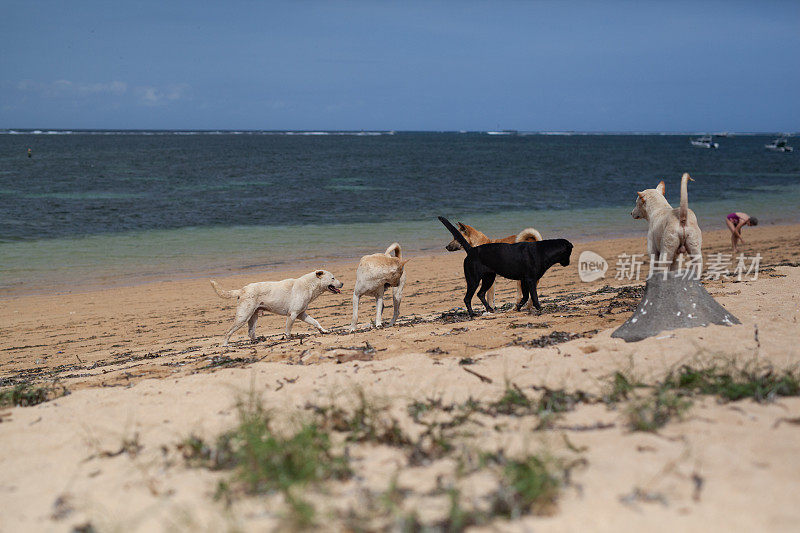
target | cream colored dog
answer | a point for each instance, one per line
(375, 274)
(289, 298)
(671, 231)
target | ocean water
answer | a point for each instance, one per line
(105, 208)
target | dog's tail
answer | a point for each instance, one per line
(528, 234)
(223, 293)
(456, 234)
(394, 250)
(684, 209)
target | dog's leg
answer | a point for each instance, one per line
(472, 286)
(525, 289)
(310, 320)
(290, 318)
(251, 330)
(472, 275)
(244, 313)
(669, 255)
(378, 309)
(534, 294)
(490, 295)
(487, 282)
(356, 300)
(397, 295)
(694, 248)
(526, 303)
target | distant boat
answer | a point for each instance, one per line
(706, 141)
(779, 145)
(502, 132)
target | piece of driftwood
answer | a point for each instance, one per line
(673, 302)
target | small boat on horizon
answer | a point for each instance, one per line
(706, 141)
(779, 145)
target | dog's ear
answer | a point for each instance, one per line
(462, 227)
(661, 187)
(641, 195)
(320, 273)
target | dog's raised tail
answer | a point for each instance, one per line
(684, 209)
(394, 250)
(456, 234)
(223, 293)
(528, 234)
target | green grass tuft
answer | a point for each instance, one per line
(529, 485)
(512, 402)
(620, 388)
(365, 423)
(264, 460)
(652, 412)
(762, 384)
(24, 395)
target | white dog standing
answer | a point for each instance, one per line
(375, 274)
(289, 297)
(670, 231)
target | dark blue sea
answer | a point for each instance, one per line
(105, 206)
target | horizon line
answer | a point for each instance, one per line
(507, 132)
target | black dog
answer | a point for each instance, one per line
(524, 261)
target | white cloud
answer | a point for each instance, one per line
(148, 95)
(67, 88)
(154, 96)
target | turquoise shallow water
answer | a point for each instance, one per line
(125, 207)
(136, 256)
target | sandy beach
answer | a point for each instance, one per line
(145, 371)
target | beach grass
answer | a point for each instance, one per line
(26, 395)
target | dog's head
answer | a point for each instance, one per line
(328, 281)
(473, 236)
(564, 261)
(640, 210)
(454, 245)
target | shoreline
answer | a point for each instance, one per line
(276, 268)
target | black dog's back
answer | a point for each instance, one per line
(522, 259)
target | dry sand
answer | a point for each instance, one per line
(143, 363)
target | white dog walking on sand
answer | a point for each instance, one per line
(289, 297)
(375, 274)
(670, 231)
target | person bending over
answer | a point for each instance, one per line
(736, 221)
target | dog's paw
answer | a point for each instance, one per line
(323, 331)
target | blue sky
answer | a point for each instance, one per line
(589, 66)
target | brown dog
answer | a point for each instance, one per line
(476, 238)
